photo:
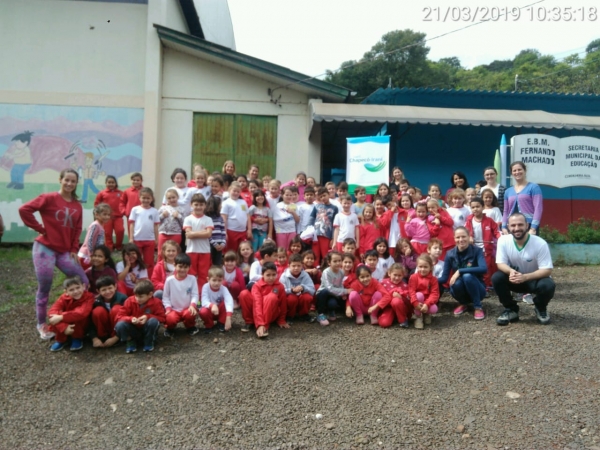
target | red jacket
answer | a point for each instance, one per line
(61, 221)
(246, 195)
(367, 292)
(129, 200)
(368, 233)
(392, 288)
(113, 199)
(316, 277)
(385, 221)
(73, 310)
(445, 231)
(351, 278)
(280, 269)
(428, 286)
(152, 308)
(159, 276)
(261, 290)
(489, 230)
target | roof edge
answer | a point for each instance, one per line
(288, 76)
(191, 17)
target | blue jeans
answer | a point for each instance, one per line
(17, 173)
(88, 183)
(468, 289)
(258, 237)
(127, 331)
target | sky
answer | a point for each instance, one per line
(312, 36)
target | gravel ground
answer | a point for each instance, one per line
(456, 384)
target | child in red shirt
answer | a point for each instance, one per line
(104, 313)
(140, 317)
(399, 306)
(366, 292)
(112, 197)
(233, 277)
(265, 304)
(282, 261)
(69, 315)
(424, 291)
(130, 197)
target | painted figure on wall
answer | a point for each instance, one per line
(21, 157)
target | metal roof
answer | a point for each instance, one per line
(450, 116)
(219, 54)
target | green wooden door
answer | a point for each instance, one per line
(244, 139)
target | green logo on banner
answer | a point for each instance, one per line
(377, 168)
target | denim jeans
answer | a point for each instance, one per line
(468, 289)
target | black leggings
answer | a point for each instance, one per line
(326, 301)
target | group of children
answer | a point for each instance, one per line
(276, 251)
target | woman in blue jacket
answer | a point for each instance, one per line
(467, 265)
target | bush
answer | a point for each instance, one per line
(584, 231)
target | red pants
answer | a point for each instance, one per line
(492, 268)
(399, 308)
(271, 308)
(162, 238)
(419, 248)
(235, 289)
(284, 239)
(209, 318)
(199, 267)
(174, 317)
(59, 330)
(115, 224)
(105, 321)
(124, 289)
(445, 250)
(298, 305)
(320, 248)
(147, 249)
(234, 239)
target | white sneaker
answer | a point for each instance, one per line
(45, 333)
(528, 298)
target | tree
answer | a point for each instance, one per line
(593, 46)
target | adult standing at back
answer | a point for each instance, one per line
(457, 180)
(397, 177)
(491, 178)
(58, 242)
(524, 266)
(523, 197)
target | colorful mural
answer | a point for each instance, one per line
(38, 141)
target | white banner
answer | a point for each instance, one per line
(571, 161)
(367, 162)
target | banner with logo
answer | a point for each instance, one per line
(570, 161)
(367, 163)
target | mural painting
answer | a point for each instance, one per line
(38, 141)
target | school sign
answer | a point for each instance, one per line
(368, 162)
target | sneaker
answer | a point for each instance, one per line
(57, 346)
(221, 327)
(460, 309)
(332, 317)
(528, 298)
(542, 316)
(479, 314)
(45, 332)
(360, 319)
(149, 348)
(246, 327)
(427, 319)
(374, 319)
(192, 331)
(169, 333)
(403, 324)
(419, 322)
(322, 320)
(131, 347)
(507, 316)
(76, 344)
(207, 330)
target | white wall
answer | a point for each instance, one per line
(193, 85)
(50, 49)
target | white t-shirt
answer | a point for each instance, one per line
(140, 274)
(304, 211)
(216, 297)
(534, 255)
(237, 214)
(494, 214)
(477, 233)
(459, 215)
(179, 294)
(197, 245)
(383, 265)
(394, 232)
(438, 269)
(185, 196)
(255, 271)
(347, 224)
(282, 220)
(144, 220)
(336, 202)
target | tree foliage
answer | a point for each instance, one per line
(400, 59)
